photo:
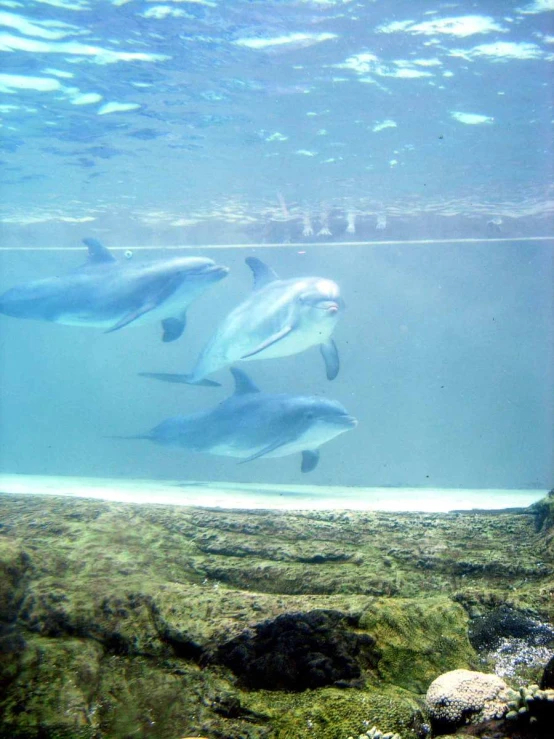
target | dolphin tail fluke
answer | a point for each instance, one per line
(179, 379)
(330, 356)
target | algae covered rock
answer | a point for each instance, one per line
(331, 713)
(123, 620)
(53, 686)
(514, 643)
(72, 689)
(487, 631)
(14, 565)
(547, 679)
(464, 696)
(297, 651)
(417, 639)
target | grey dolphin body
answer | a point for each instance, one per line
(251, 424)
(110, 294)
(279, 318)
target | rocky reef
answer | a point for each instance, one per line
(124, 621)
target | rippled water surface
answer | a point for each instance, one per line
(275, 119)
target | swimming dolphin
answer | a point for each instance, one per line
(110, 294)
(279, 318)
(251, 424)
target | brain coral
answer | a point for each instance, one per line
(462, 696)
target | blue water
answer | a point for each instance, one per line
(155, 119)
(307, 125)
(446, 355)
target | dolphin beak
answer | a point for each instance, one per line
(215, 271)
(220, 271)
(334, 306)
(344, 420)
(331, 307)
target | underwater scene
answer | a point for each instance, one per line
(276, 369)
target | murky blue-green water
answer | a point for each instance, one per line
(402, 150)
(334, 524)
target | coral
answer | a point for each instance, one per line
(374, 733)
(532, 705)
(462, 696)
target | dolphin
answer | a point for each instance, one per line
(279, 318)
(111, 294)
(250, 424)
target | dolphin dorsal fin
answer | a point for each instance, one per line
(243, 384)
(97, 252)
(263, 274)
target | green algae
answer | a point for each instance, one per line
(110, 614)
(430, 635)
(335, 714)
(51, 688)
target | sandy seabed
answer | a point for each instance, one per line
(259, 495)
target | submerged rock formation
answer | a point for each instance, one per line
(155, 621)
(298, 651)
(547, 680)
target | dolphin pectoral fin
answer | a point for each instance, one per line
(130, 317)
(310, 458)
(153, 302)
(178, 379)
(173, 328)
(97, 252)
(268, 342)
(331, 358)
(267, 449)
(263, 274)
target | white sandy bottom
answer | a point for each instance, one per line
(258, 495)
